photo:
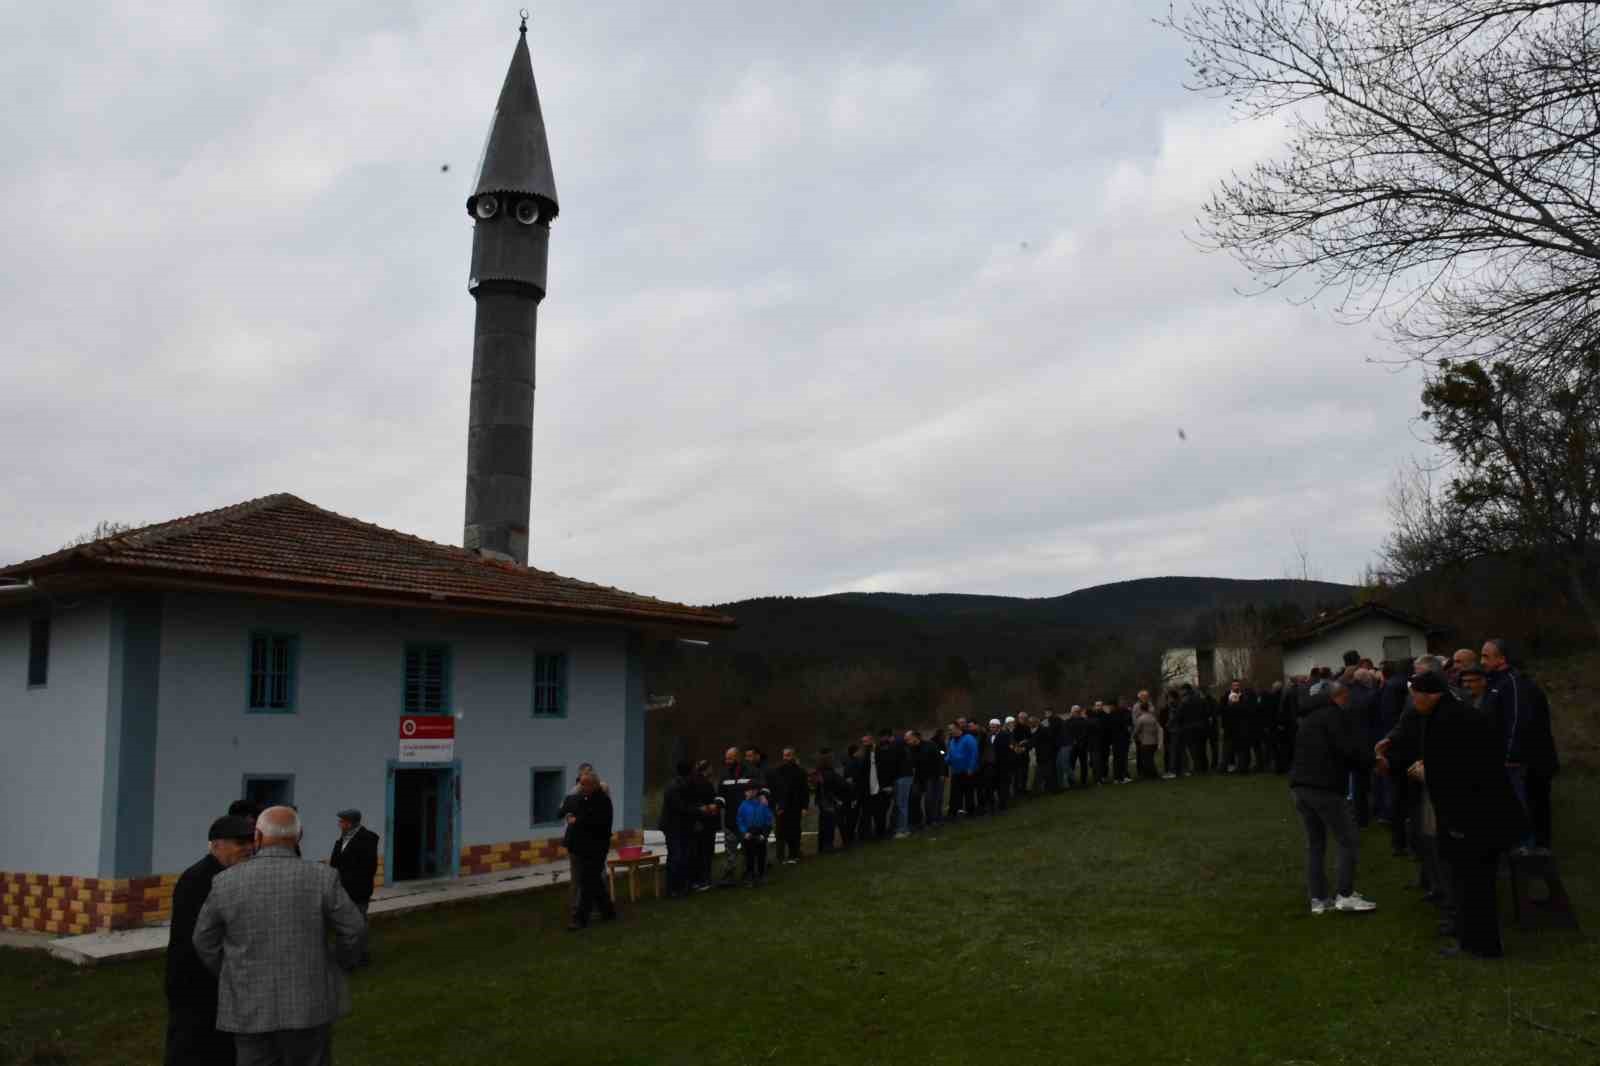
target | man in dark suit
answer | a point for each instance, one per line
(355, 856)
(192, 1036)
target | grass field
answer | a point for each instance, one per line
(1151, 923)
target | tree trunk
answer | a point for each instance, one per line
(1579, 591)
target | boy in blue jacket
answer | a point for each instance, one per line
(755, 824)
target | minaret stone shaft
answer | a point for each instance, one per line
(511, 206)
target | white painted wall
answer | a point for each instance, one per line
(348, 704)
(53, 741)
(1180, 665)
(1365, 635)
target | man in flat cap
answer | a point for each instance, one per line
(355, 856)
(192, 1036)
(264, 930)
(1457, 753)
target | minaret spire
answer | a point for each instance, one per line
(512, 204)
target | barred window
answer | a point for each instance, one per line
(272, 671)
(550, 685)
(427, 680)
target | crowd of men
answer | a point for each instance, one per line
(251, 978)
(1455, 755)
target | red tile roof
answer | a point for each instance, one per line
(282, 542)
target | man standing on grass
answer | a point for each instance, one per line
(792, 793)
(355, 856)
(1046, 744)
(730, 793)
(1076, 740)
(588, 815)
(192, 1035)
(962, 756)
(264, 931)
(1329, 745)
(1462, 763)
(1530, 747)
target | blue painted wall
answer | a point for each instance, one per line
(128, 804)
(348, 699)
(52, 763)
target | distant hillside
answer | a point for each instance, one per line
(902, 625)
(817, 670)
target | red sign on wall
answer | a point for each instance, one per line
(427, 737)
(427, 727)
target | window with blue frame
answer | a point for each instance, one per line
(273, 661)
(269, 790)
(550, 685)
(549, 789)
(427, 679)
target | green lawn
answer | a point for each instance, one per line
(1150, 923)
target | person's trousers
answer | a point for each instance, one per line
(1325, 814)
(1211, 748)
(286, 1047)
(1002, 789)
(366, 931)
(593, 895)
(1171, 752)
(705, 850)
(1080, 764)
(1241, 756)
(1147, 761)
(1196, 743)
(680, 863)
(1399, 811)
(730, 853)
(1019, 776)
(193, 1039)
(1061, 774)
(1230, 756)
(933, 802)
(1119, 756)
(755, 858)
(1474, 871)
(1102, 762)
(788, 834)
(1536, 786)
(1361, 796)
(827, 825)
(877, 815)
(902, 803)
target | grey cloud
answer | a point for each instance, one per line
(841, 296)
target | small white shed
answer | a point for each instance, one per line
(1373, 631)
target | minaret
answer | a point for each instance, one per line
(511, 206)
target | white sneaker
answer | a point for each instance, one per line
(1355, 901)
(1320, 906)
(1169, 777)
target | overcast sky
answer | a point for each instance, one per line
(842, 296)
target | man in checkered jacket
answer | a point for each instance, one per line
(264, 932)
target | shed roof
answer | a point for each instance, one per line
(283, 544)
(1330, 621)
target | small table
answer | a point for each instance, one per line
(633, 866)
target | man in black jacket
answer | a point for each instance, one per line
(1075, 733)
(1329, 745)
(588, 814)
(1119, 734)
(730, 793)
(679, 815)
(791, 792)
(192, 1036)
(1531, 760)
(1459, 756)
(355, 856)
(1045, 740)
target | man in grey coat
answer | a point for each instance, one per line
(264, 932)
